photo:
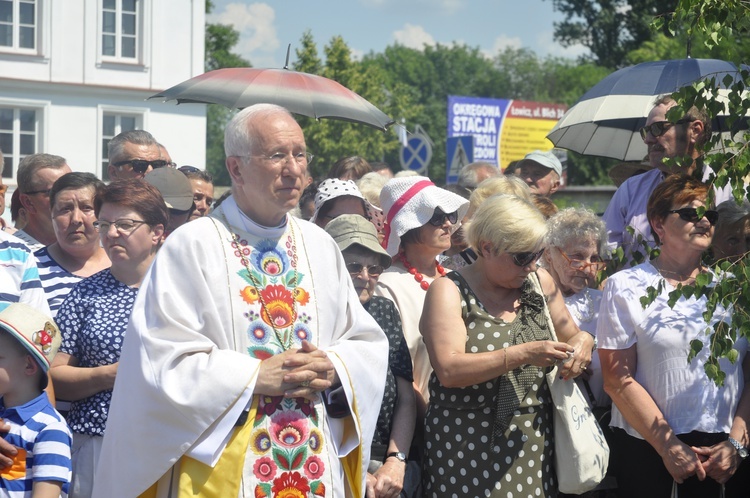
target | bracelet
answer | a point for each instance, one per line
(505, 355)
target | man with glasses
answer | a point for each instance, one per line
(260, 369)
(679, 142)
(36, 175)
(132, 154)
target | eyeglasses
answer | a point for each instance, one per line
(356, 269)
(141, 165)
(300, 158)
(581, 265)
(691, 215)
(526, 258)
(44, 192)
(659, 128)
(122, 225)
(438, 219)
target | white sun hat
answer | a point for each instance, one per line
(333, 187)
(410, 202)
(36, 331)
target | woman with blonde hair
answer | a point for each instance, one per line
(488, 427)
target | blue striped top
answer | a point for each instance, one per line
(57, 282)
(44, 440)
(19, 278)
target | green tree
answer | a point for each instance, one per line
(609, 28)
(220, 40)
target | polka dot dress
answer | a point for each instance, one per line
(458, 460)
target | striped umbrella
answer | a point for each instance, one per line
(606, 120)
(300, 93)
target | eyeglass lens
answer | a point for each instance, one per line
(691, 215)
(438, 219)
(526, 258)
(356, 268)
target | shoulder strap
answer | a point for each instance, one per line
(537, 283)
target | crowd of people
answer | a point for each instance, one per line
(370, 335)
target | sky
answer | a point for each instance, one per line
(266, 28)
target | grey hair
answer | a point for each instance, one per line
(237, 139)
(467, 177)
(730, 213)
(573, 225)
(30, 166)
(116, 146)
(509, 223)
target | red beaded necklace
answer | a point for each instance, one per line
(424, 284)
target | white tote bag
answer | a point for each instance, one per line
(581, 452)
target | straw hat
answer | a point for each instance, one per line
(352, 229)
(333, 187)
(36, 331)
(410, 202)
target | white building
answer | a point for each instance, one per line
(74, 73)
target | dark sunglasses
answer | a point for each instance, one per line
(356, 269)
(691, 215)
(141, 165)
(438, 219)
(526, 258)
(659, 128)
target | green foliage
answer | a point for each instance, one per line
(609, 28)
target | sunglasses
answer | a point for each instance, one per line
(356, 269)
(141, 165)
(691, 215)
(526, 258)
(659, 128)
(438, 219)
(581, 265)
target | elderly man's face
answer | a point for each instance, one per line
(132, 152)
(267, 187)
(37, 203)
(541, 180)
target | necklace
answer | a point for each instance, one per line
(587, 314)
(424, 284)
(287, 337)
(679, 277)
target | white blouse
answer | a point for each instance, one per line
(687, 398)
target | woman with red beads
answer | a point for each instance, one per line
(420, 218)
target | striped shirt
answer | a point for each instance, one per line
(56, 280)
(43, 440)
(19, 276)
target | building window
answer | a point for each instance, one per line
(18, 24)
(19, 136)
(112, 125)
(120, 29)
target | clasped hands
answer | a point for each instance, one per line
(719, 462)
(296, 373)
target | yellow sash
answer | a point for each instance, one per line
(197, 480)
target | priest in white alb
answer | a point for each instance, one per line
(249, 367)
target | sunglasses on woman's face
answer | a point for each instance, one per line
(526, 258)
(356, 269)
(438, 219)
(691, 215)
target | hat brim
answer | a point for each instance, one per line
(418, 211)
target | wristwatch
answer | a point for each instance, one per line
(401, 457)
(741, 450)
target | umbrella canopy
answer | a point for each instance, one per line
(606, 120)
(300, 93)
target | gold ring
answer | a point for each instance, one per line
(305, 383)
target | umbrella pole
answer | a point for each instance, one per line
(288, 49)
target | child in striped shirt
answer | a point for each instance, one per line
(41, 467)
